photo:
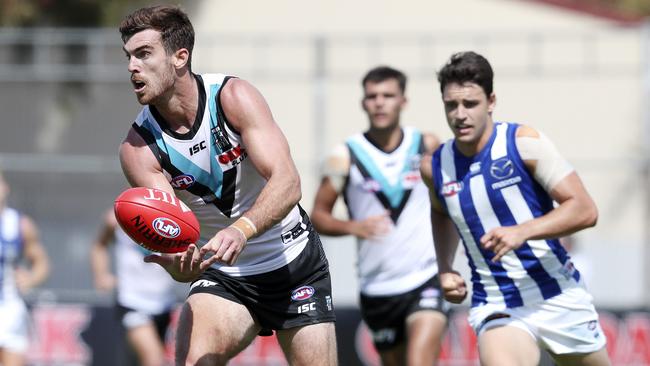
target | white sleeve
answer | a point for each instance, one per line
(550, 166)
(336, 166)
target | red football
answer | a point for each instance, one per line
(156, 220)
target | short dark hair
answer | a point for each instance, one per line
(175, 28)
(465, 67)
(383, 73)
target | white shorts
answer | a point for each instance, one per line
(566, 323)
(14, 326)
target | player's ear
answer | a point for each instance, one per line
(492, 102)
(181, 58)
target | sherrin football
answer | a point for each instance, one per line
(156, 220)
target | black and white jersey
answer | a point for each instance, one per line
(209, 169)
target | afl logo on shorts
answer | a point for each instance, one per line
(302, 293)
(183, 181)
(166, 228)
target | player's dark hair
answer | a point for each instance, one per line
(383, 73)
(465, 67)
(175, 28)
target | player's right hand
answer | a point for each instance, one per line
(372, 226)
(453, 286)
(183, 267)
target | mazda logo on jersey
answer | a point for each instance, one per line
(502, 168)
(183, 181)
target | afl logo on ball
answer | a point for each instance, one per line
(166, 228)
(183, 181)
(302, 293)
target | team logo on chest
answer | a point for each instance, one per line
(502, 168)
(231, 158)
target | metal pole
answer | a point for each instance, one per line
(645, 120)
(320, 101)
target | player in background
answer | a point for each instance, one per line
(494, 185)
(145, 294)
(19, 242)
(377, 173)
(211, 140)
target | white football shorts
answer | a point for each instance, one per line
(14, 326)
(566, 323)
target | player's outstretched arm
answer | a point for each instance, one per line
(247, 111)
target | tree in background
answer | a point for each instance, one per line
(66, 13)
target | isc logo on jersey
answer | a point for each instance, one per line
(232, 157)
(183, 181)
(166, 227)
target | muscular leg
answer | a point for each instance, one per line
(9, 358)
(212, 330)
(310, 345)
(395, 356)
(147, 345)
(598, 358)
(425, 331)
(507, 346)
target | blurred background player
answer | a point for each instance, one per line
(377, 173)
(19, 239)
(145, 293)
(494, 185)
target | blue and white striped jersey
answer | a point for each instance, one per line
(11, 251)
(493, 189)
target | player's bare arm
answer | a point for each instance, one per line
(247, 111)
(39, 265)
(335, 172)
(100, 259)
(445, 238)
(575, 211)
(142, 169)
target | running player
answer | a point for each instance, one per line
(494, 185)
(145, 292)
(377, 173)
(19, 239)
(212, 141)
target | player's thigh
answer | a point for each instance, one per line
(212, 330)
(147, 344)
(395, 356)
(425, 329)
(507, 345)
(313, 345)
(598, 358)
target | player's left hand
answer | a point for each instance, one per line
(183, 267)
(225, 246)
(501, 240)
